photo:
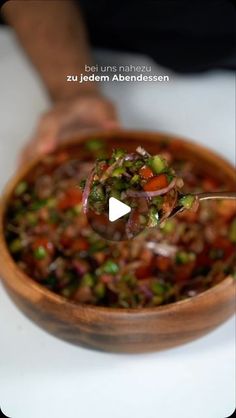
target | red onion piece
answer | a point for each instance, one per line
(162, 248)
(131, 157)
(86, 191)
(109, 170)
(118, 163)
(142, 151)
(146, 291)
(160, 192)
(133, 225)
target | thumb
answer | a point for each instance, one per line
(45, 138)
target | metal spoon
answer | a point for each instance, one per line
(205, 196)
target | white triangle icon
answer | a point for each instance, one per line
(117, 209)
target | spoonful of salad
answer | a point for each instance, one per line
(146, 184)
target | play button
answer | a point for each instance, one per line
(119, 221)
(117, 209)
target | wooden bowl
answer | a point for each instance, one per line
(122, 330)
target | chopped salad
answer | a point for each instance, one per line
(147, 184)
(49, 237)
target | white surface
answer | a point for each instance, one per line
(41, 376)
(117, 209)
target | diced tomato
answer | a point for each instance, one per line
(80, 245)
(146, 255)
(162, 263)
(134, 220)
(99, 257)
(184, 271)
(146, 172)
(65, 240)
(203, 258)
(189, 216)
(106, 278)
(226, 209)
(209, 185)
(43, 214)
(156, 183)
(45, 243)
(71, 198)
(222, 243)
(143, 272)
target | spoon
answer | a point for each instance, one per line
(204, 196)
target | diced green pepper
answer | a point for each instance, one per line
(32, 218)
(232, 231)
(130, 279)
(187, 201)
(128, 164)
(38, 204)
(119, 184)
(136, 165)
(40, 253)
(15, 246)
(82, 184)
(118, 153)
(170, 177)
(21, 188)
(94, 145)
(135, 179)
(157, 163)
(96, 193)
(168, 226)
(70, 214)
(77, 209)
(115, 193)
(100, 290)
(157, 201)
(153, 219)
(118, 172)
(182, 257)
(157, 288)
(87, 280)
(157, 300)
(97, 247)
(51, 202)
(110, 267)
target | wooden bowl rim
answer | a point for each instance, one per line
(6, 258)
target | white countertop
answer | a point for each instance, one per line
(41, 376)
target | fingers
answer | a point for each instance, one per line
(111, 124)
(46, 133)
(67, 119)
(44, 140)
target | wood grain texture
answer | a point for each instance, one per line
(122, 330)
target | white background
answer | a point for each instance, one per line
(41, 376)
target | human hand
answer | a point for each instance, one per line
(66, 119)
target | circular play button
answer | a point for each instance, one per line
(117, 209)
(121, 222)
